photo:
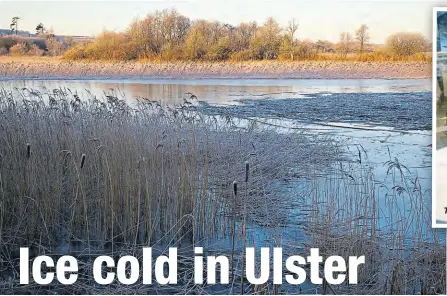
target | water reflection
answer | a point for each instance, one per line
(221, 91)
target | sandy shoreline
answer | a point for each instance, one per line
(51, 68)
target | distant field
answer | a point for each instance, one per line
(46, 67)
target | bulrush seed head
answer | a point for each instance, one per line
(247, 170)
(235, 188)
(28, 150)
(82, 160)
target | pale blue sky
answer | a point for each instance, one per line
(318, 19)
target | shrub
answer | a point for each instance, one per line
(195, 44)
(240, 56)
(35, 50)
(219, 52)
(76, 52)
(20, 49)
(170, 53)
(406, 44)
(9, 41)
(107, 46)
(54, 47)
(306, 50)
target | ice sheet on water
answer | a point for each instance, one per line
(400, 111)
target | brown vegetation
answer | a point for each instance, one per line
(23, 49)
(45, 67)
(167, 35)
(407, 44)
(35, 46)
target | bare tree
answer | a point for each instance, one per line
(362, 36)
(244, 33)
(290, 32)
(267, 40)
(158, 32)
(406, 44)
(345, 44)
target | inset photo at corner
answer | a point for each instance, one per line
(439, 178)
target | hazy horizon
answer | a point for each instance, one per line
(321, 19)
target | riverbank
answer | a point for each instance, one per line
(56, 68)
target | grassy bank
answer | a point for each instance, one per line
(52, 68)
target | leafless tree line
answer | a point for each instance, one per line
(168, 35)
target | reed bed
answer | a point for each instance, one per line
(389, 221)
(110, 176)
(348, 211)
(87, 176)
(56, 68)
